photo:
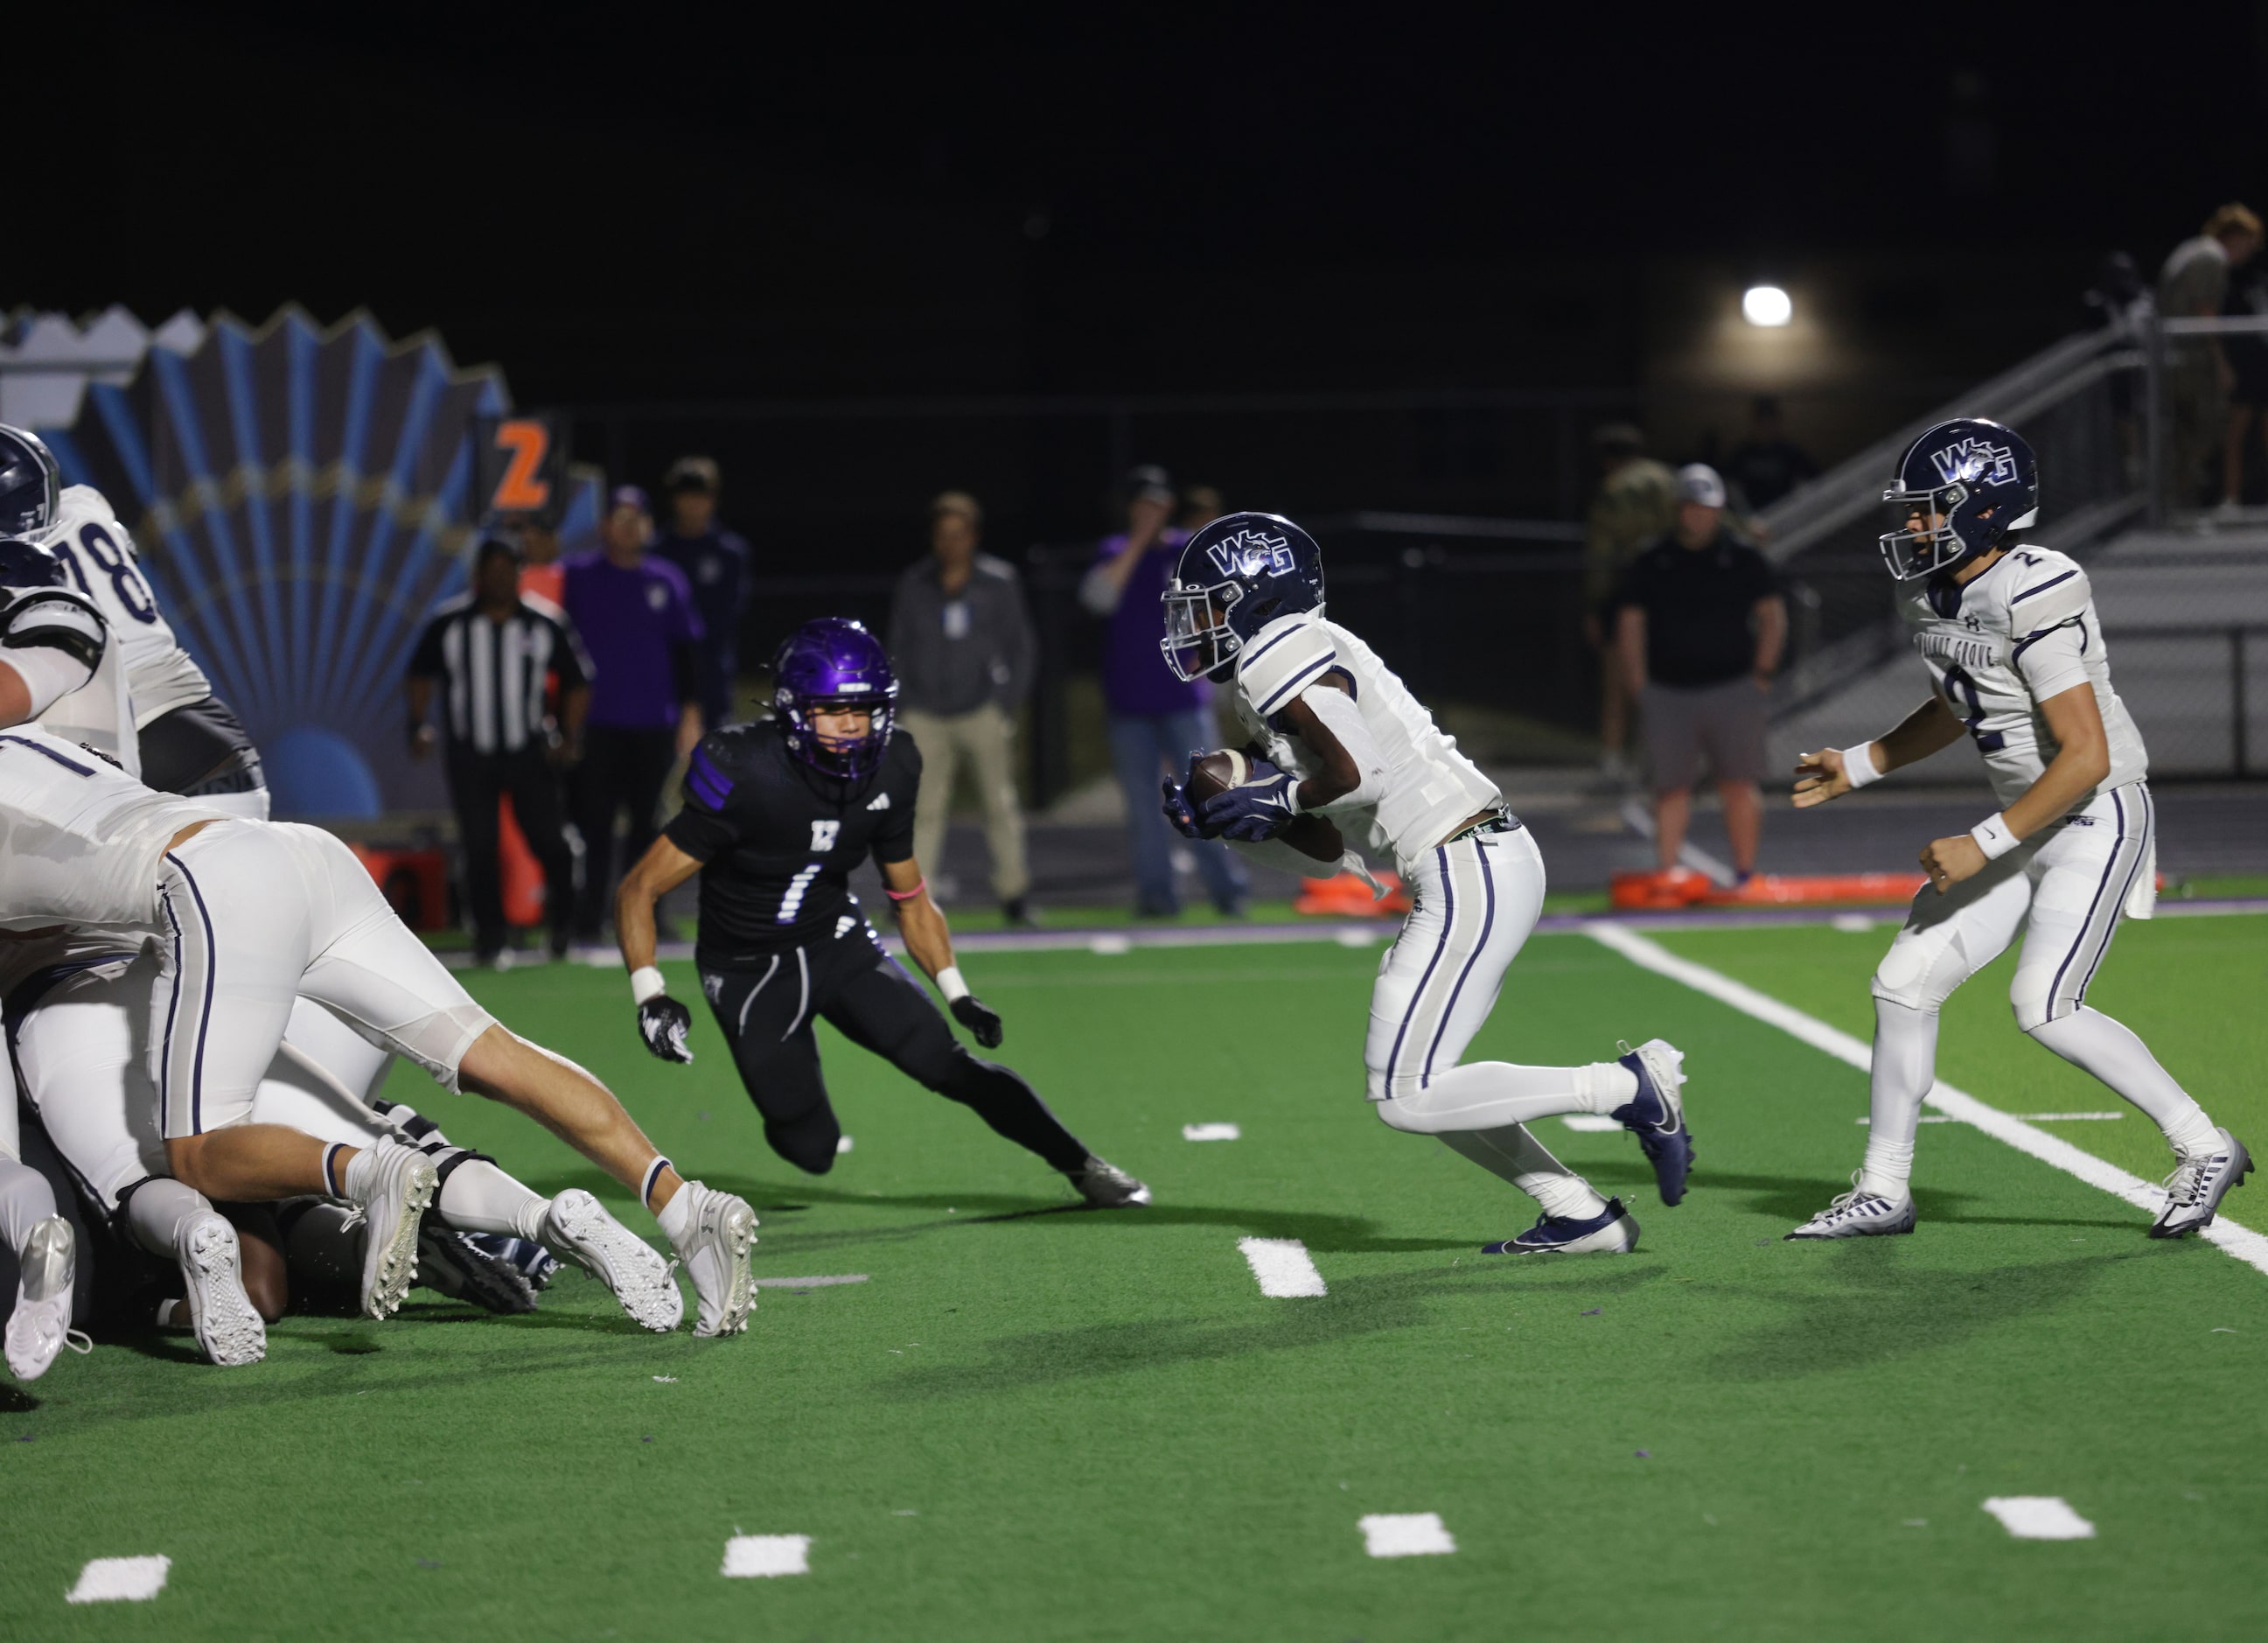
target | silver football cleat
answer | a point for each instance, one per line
(399, 1187)
(2199, 1184)
(577, 1228)
(1107, 1187)
(229, 1328)
(1857, 1214)
(719, 1233)
(39, 1327)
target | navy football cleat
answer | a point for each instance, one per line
(1657, 1117)
(1611, 1232)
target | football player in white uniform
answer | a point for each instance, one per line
(246, 917)
(1334, 732)
(2009, 634)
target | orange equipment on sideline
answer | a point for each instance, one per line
(1681, 887)
(1347, 896)
(522, 873)
(415, 883)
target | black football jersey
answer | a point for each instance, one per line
(777, 840)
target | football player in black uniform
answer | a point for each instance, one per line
(777, 814)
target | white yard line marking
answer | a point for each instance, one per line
(120, 1580)
(2241, 1242)
(2070, 1118)
(1927, 1118)
(1283, 1266)
(1110, 947)
(1405, 1534)
(1211, 1132)
(2039, 1517)
(807, 1282)
(1589, 1121)
(754, 1557)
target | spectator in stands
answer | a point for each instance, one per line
(1767, 465)
(1636, 502)
(715, 562)
(961, 641)
(2193, 284)
(1156, 720)
(1699, 627)
(490, 651)
(2248, 381)
(1201, 506)
(637, 620)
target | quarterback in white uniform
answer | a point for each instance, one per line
(2009, 634)
(1334, 732)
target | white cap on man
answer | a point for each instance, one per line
(1697, 481)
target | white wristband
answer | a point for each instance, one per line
(646, 982)
(1993, 838)
(1858, 767)
(949, 983)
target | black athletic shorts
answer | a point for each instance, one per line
(198, 748)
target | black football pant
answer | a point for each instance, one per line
(621, 770)
(767, 1014)
(476, 782)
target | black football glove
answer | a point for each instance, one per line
(980, 1018)
(665, 1024)
(1177, 811)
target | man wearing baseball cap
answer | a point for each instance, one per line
(1699, 628)
(637, 619)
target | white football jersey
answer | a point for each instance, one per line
(100, 558)
(1430, 787)
(100, 712)
(80, 842)
(2007, 640)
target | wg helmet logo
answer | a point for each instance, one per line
(1249, 552)
(1975, 461)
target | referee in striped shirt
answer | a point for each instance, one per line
(491, 652)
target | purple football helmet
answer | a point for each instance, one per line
(835, 663)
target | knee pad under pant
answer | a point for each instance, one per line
(1923, 968)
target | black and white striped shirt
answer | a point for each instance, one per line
(492, 672)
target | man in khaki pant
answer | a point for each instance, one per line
(961, 642)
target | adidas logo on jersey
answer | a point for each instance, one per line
(882, 802)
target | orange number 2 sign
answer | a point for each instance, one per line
(523, 488)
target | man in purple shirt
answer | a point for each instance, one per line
(1156, 719)
(636, 617)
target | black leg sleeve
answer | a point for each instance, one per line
(765, 1016)
(884, 1011)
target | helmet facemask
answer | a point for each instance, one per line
(1198, 638)
(851, 759)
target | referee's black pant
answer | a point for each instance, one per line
(476, 782)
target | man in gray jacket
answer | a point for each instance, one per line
(961, 641)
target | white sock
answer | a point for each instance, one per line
(156, 1210)
(2109, 1049)
(1905, 1067)
(1494, 1095)
(26, 1198)
(478, 1197)
(359, 1178)
(677, 1216)
(1514, 1155)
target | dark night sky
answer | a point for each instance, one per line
(644, 200)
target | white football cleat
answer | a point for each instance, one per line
(229, 1328)
(577, 1228)
(1857, 1214)
(2197, 1185)
(398, 1185)
(719, 1231)
(39, 1327)
(1107, 1187)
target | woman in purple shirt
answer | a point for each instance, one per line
(1156, 719)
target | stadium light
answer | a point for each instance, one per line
(1767, 306)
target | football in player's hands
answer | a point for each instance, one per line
(666, 1025)
(980, 1018)
(1213, 774)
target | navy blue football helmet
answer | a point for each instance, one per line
(31, 484)
(27, 564)
(1234, 576)
(835, 663)
(1957, 474)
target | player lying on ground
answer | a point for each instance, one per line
(2010, 637)
(1333, 731)
(777, 814)
(246, 917)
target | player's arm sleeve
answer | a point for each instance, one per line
(893, 841)
(705, 829)
(1277, 667)
(2047, 619)
(54, 644)
(1344, 719)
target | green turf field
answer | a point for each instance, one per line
(1033, 1422)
